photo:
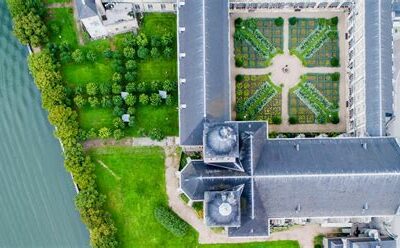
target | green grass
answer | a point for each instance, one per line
(95, 118)
(149, 117)
(62, 26)
(81, 74)
(157, 69)
(158, 24)
(139, 188)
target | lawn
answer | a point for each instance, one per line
(136, 189)
(81, 74)
(95, 118)
(62, 26)
(158, 24)
(159, 69)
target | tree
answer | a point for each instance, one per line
(93, 101)
(129, 52)
(130, 76)
(131, 110)
(78, 56)
(293, 120)
(155, 99)
(279, 21)
(167, 52)
(156, 134)
(118, 134)
(154, 85)
(104, 132)
(30, 29)
(118, 123)
(91, 56)
(144, 99)
(130, 100)
(131, 121)
(117, 78)
(79, 101)
(108, 53)
(169, 86)
(292, 20)
(91, 89)
(141, 40)
(130, 87)
(131, 65)
(105, 89)
(169, 101)
(117, 100)
(116, 88)
(130, 40)
(154, 53)
(141, 87)
(334, 62)
(155, 41)
(143, 52)
(167, 39)
(118, 111)
(106, 102)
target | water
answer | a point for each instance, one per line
(36, 193)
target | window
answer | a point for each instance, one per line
(163, 6)
(150, 6)
(137, 6)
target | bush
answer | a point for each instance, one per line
(334, 21)
(131, 110)
(91, 89)
(105, 89)
(279, 21)
(118, 111)
(108, 53)
(238, 22)
(130, 88)
(131, 65)
(93, 101)
(116, 89)
(335, 76)
(117, 78)
(106, 102)
(239, 78)
(129, 52)
(104, 132)
(130, 76)
(118, 134)
(335, 118)
(171, 221)
(276, 120)
(239, 62)
(130, 100)
(168, 52)
(156, 134)
(155, 99)
(333, 35)
(30, 29)
(154, 53)
(144, 99)
(293, 120)
(143, 52)
(78, 56)
(118, 123)
(334, 62)
(91, 56)
(292, 20)
(169, 86)
(117, 101)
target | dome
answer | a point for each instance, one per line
(222, 139)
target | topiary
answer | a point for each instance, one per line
(276, 120)
(334, 21)
(239, 62)
(335, 118)
(334, 62)
(171, 221)
(335, 76)
(239, 78)
(292, 20)
(279, 21)
(293, 120)
(238, 22)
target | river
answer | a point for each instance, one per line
(36, 193)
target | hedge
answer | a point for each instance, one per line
(171, 221)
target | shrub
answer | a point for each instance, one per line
(322, 21)
(130, 100)
(276, 120)
(155, 41)
(129, 52)
(334, 62)
(105, 89)
(334, 21)
(118, 111)
(131, 110)
(130, 76)
(93, 101)
(118, 123)
(239, 78)
(78, 56)
(156, 134)
(142, 132)
(142, 87)
(154, 53)
(144, 99)
(131, 121)
(333, 35)
(118, 134)
(238, 22)
(131, 65)
(171, 221)
(117, 78)
(91, 89)
(155, 99)
(293, 120)
(335, 76)
(80, 90)
(292, 20)
(167, 39)
(141, 40)
(108, 53)
(106, 102)
(91, 56)
(279, 21)
(239, 61)
(143, 52)
(104, 132)
(335, 118)
(170, 100)
(169, 86)
(79, 101)
(168, 52)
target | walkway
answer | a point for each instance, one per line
(290, 79)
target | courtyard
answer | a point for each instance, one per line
(288, 68)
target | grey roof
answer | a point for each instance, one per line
(371, 243)
(327, 177)
(335, 243)
(205, 67)
(378, 55)
(86, 8)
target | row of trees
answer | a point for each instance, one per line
(89, 201)
(28, 19)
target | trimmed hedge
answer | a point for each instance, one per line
(171, 221)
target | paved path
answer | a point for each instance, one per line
(286, 79)
(60, 5)
(92, 143)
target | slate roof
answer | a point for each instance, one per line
(205, 67)
(378, 59)
(86, 8)
(385, 242)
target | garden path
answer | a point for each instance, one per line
(60, 5)
(285, 126)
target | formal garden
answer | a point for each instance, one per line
(258, 98)
(256, 41)
(314, 41)
(315, 99)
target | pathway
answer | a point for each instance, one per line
(287, 80)
(60, 5)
